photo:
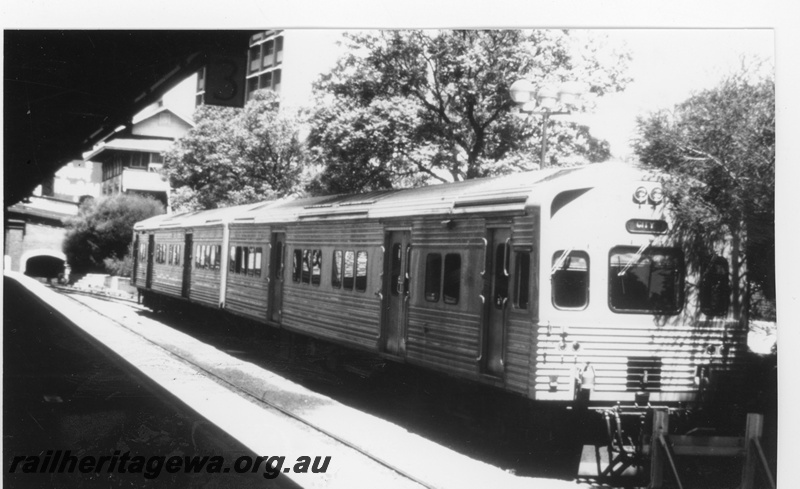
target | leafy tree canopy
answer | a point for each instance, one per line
(719, 147)
(236, 156)
(102, 230)
(406, 107)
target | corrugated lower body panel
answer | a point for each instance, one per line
(347, 317)
(247, 297)
(167, 279)
(141, 274)
(205, 287)
(627, 359)
(518, 353)
(443, 339)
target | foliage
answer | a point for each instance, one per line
(406, 107)
(120, 267)
(236, 156)
(719, 147)
(102, 230)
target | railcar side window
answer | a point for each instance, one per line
(433, 276)
(336, 269)
(305, 272)
(349, 271)
(316, 266)
(246, 260)
(208, 256)
(451, 289)
(212, 257)
(296, 265)
(570, 279)
(361, 271)
(646, 281)
(523, 274)
(258, 256)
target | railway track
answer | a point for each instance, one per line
(312, 410)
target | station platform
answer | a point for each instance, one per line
(272, 416)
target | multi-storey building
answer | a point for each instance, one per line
(286, 61)
(132, 158)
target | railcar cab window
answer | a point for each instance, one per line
(245, 260)
(443, 282)
(648, 280)
(570, 279)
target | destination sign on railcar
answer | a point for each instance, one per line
(646, 226)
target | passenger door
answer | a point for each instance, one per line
(496, 288)
(277, 262)
(396, 291)
(187, 265)
(151, 246)
(135, 259)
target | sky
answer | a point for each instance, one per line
(667, 66)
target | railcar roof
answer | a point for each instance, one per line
(507, 192)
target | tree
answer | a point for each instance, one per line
(102, 231)
(236, 156)
(406, 107)
(719, 149)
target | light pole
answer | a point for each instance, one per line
(543, 102)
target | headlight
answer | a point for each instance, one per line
(640, 195)
(657, 195)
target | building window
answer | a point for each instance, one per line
(278, 50)
(265, 80)
(570, 279)
(252, 86)
(139, 160)
(255, 59)
(269, 54)
(276, 80)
